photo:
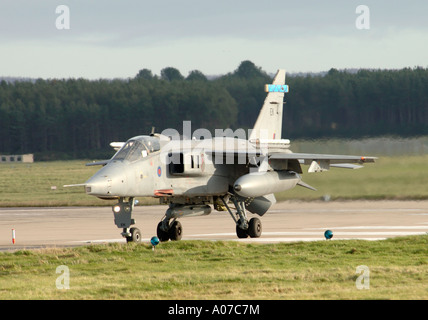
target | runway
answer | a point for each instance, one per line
(284, 222)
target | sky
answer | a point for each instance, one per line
(115, 39)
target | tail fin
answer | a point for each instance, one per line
(269, 122)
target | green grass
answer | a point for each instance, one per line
(30, 184)
(388, 178)
(222, 270)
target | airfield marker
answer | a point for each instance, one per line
(328, 234)
(154, 241)
(13, 236)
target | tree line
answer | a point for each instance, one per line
(75, 118)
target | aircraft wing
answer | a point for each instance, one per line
(333, 158)
(316, 162)
(322, 162)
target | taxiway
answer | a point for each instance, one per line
(284, 222)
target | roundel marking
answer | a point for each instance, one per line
(159, 171)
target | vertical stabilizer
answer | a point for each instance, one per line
(269, 122)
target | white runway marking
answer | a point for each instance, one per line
(374, 227)
(249, 240)
(273, 240)
(321, 234)
(100, 241)
(348, 210)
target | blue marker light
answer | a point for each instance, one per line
(276, 88)
(328, 234)
(154, 242)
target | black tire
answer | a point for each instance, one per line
(135, 235)
(241, 233)
(255, 228)
(162, 235)
(176, 231)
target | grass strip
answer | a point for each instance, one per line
(398, 269)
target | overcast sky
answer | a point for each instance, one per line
(115, 39)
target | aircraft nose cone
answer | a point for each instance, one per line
(97, 186)
(110, 181)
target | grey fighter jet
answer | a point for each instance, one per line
(193, 176)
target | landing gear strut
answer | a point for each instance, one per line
(169, 228)
(244, 228)
(122, 218)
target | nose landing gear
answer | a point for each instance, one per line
(122, 212)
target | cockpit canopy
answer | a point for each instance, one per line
(138, 148)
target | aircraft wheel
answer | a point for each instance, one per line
(255, 228)
(241, 233)
(176, 231)
(162, 235)
(135, 235)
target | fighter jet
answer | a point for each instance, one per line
(197, 174)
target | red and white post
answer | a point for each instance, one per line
(13, 236)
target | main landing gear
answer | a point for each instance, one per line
(169, 228)
(173, 231)
(244, 228)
